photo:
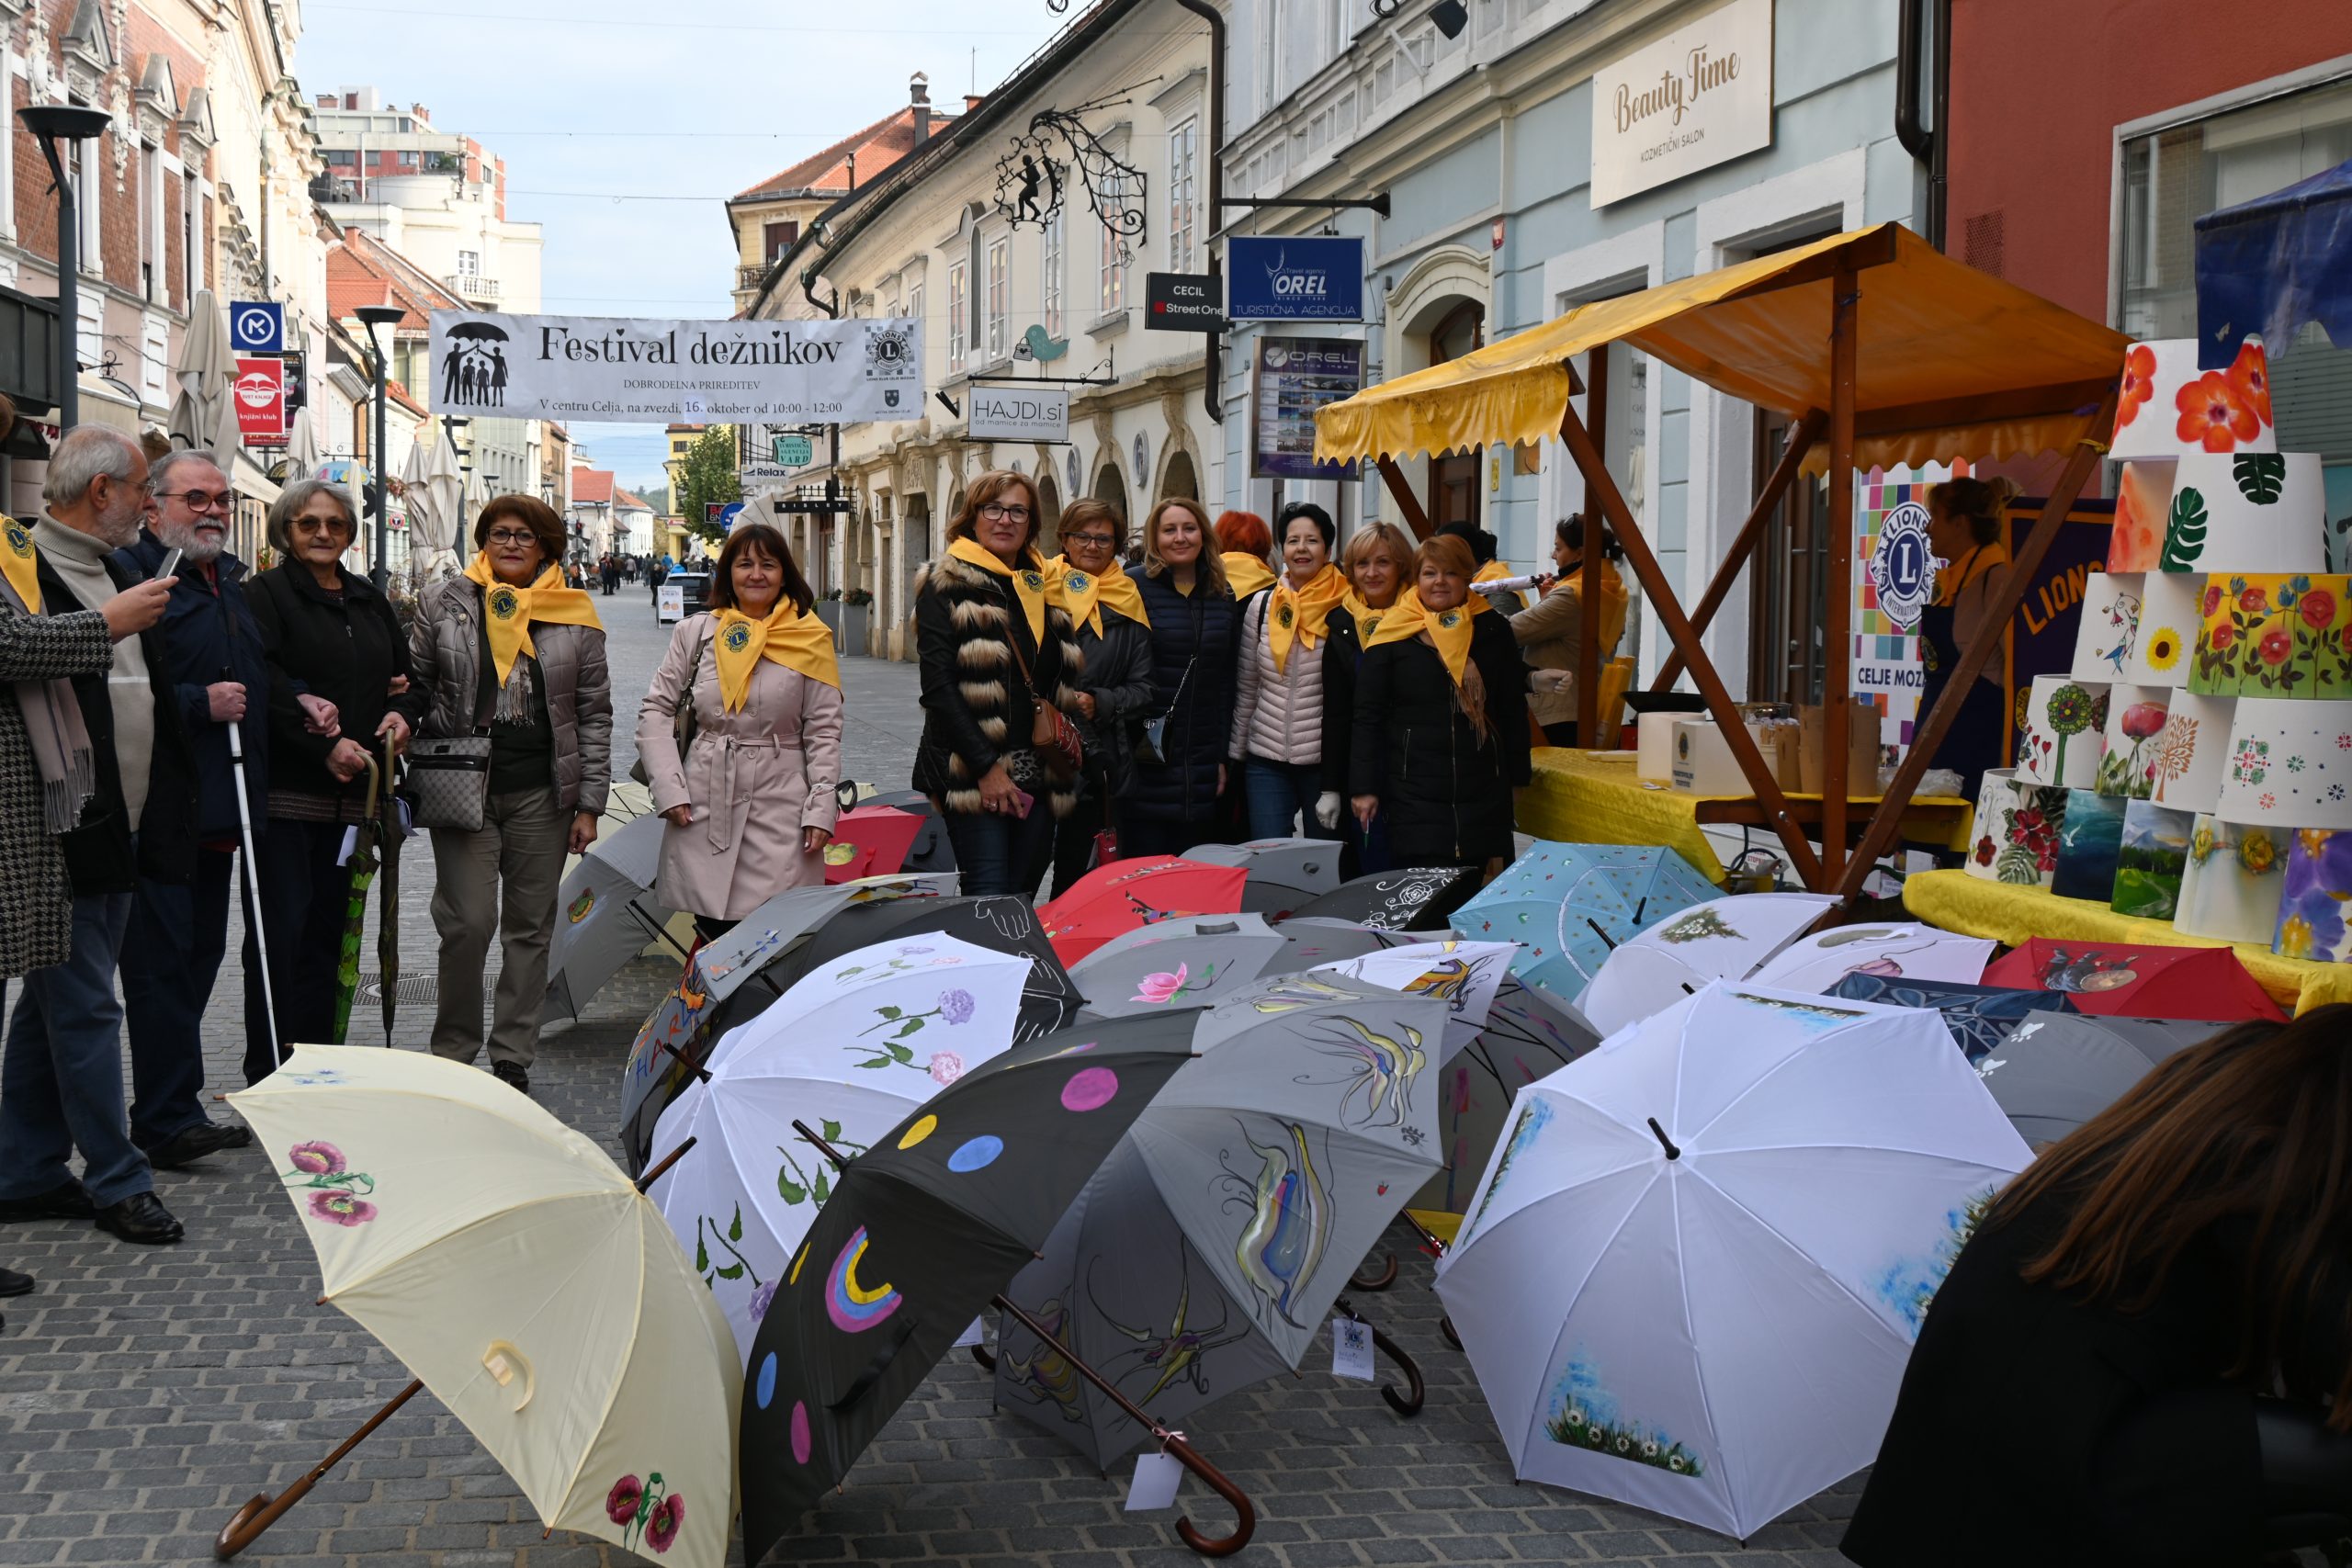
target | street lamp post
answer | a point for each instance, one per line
(50, 123)
(380, 568)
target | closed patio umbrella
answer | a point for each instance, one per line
(204, 415)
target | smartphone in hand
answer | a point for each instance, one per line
(1028, 803)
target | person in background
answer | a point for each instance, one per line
(1278, 720)
(90, 751)
(2173, 1282)
(1484, 549)
(507, 649)
(750, 804)
(1114, 647)
(1548, 630)
(1964, 531)
(1441, 720)
(991, 643)
(1173, 804)
(327, 631)
(1244, 542)
(179, 928)
(1375, 562)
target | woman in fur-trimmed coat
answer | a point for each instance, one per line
(987, 635)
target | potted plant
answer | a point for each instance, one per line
(856, 611)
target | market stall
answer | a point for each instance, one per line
(1884, 351)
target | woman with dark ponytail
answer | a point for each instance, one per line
(1965, 532)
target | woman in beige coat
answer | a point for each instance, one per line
(750, 802)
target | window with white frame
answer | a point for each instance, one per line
(1183, 194)
(1114, 270)
(1054, 246)
(191, 258)
(958, 312)
(84, 160)
(150, 221)
(914, 303)
(999, 265)
(469, 264)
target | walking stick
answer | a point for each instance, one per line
(253, 889)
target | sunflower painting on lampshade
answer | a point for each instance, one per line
(2272, 635)
(2171, 608)
(2167, 407)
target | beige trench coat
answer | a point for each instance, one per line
(754, 779)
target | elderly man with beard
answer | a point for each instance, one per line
(212, 654)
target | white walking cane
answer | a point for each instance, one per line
(252, 887)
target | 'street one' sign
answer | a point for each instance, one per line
(1694, 98)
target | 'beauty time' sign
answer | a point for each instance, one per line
(1694, 98)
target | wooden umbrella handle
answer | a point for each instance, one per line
(245, 1526)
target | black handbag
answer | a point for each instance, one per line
(448, 781)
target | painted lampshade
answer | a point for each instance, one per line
(2315, 899)
(2018, 829)
(2187, 756)
(2290, 764)
(1987, 832)
(2090, 842)
(2169, 616)
(2143, 506)
(2065, 721)
(2170, 407)
(2236, 877)
(2109, 630)
(2135, 727)
(2246, 512)
(2274, 635)
(2154, 859)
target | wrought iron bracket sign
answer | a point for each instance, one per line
(1033, 179)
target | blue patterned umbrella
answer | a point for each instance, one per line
(1567, 905)
(1980, 1016)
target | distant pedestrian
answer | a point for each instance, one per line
(1550, 630)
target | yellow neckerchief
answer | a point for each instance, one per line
(1029, 583)
(784, 636)
(508, 611)
(1980, 559)
(1360, 611)
(1492, 571)
(1245, 574)
(20, 564)
(1086, 595)
(1448, 629)
(1302, 611)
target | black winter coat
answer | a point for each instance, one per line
(1445, 794)
(1342, 652)
(347, 651)
(209, 636)
(1191, 681)
(976, 705)
(1118, 676)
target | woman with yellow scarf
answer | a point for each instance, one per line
(1291, 778)
(1376, 560)
(747, 783)
(1115, 686)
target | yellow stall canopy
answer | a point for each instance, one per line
(1950, 361)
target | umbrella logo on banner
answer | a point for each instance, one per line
(474, 370)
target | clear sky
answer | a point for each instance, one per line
(624, 125)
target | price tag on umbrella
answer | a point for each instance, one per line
(1157, 1478)
(1352, 1349)
(974, 1334)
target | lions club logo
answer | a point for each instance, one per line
(1450, 619)
(505, 603)
(1077, 580)
(737, 638)
(1903, 565)
(19, 542)
(1032, 581)
(1283, 615)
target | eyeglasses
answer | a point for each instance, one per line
(997, 514)
(197, 500)
(318, 524)
(509, 536)
(1104, 540)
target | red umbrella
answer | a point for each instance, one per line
(1129, 893)
(2200, 983)
(872, 840)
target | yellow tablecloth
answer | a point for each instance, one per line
(1959, 902)
(1594, 798)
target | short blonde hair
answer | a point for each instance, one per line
(1373, 538)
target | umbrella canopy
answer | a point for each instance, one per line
(1902, 950)
(1979, 1017)
(2056, 1071)
(872, 840)
(1567, 905)
(1283, 873)
(1127, 893)
(1694, 1273)
(302, 445)
(1465, 976)
(2273, 265)
(204, 414)
(1723, 939)
(1196, 960)
(922, 1231)
(1002, 924)
(605, 913)
(1207, 1252)
(2201, 983)
(851, 1050)
(523, 1278)
(931, 849)
(1421, 898)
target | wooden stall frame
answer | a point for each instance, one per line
(1596, 538)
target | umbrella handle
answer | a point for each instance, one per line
(1445, 1327)
(1244, 1523)
(985, 1357)
(246, 1525)
(1407, 1405)
(1380, 1282)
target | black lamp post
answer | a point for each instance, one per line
(49, 124)
(379, 568)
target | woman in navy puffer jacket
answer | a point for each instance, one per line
(1171, 804)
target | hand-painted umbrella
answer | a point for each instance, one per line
(605, 914)
(391, 828)
(1283, 873)
(872, 840)
(2206, 984)
(1725, 938)
(1208, 1253)
(1693, 1275)
(1465, 976)
(366, 855)
(1127, 893)
(923, 1230)
(2056, 1071)
(523, 1280)
(932, 849)
(1567, 905)
(852, 1049)
(1419, 900)
(1048, 1000)
(1899, 951)
(1979, 1017)
(1184, 963)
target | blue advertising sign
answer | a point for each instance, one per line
(1291, 278)
(257, 326)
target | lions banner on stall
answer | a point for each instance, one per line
(607, 369)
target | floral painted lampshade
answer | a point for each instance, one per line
(2154, 859)
(2234, 881)
(2017, 831)
(2065, 721)
(2190, 753)
(2246, 512)
(2143, 509)
(2109, 630)
(2290, 764)
(2090, 843)
(2317, 895)
(2169, 407)
(2171, 607)
(2135, 727)
(1985, 827)
(2268, 635)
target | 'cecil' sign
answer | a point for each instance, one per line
(1693, 99)
(604, 368)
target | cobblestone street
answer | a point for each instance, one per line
(145, 1393)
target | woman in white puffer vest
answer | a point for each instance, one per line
(1278, 719)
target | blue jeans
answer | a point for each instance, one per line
(998, 855)
(1282, 794)
(61, 1081)
(179, 933)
